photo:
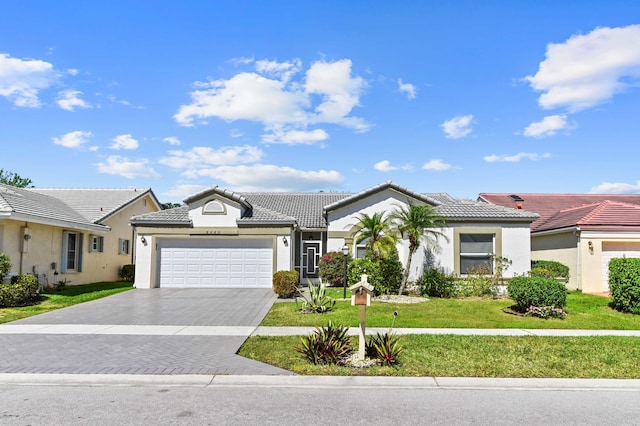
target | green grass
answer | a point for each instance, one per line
(475, 356)
(71, 295)
(585, 311)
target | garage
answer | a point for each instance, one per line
(215, 263)
(615, 250)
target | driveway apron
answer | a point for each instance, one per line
(142, 331)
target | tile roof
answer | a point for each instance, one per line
(95, 205)
(307, 209)
(548, 205)
(604, 213)
(29, 205)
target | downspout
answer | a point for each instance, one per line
(578, 260)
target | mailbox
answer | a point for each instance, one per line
(361, 292)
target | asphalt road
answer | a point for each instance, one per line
(320, 402)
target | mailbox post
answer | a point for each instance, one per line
(361, 296)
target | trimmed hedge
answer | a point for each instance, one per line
(536, 291)
(624, 284)
(549, 269)
(128, 273)
(22, 291)
(285, 283)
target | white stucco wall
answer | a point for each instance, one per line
(228, 218)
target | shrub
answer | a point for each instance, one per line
(385, 347)
(127, 273)
(367, 266)
(555, 269)
(285, 283)
(22, 291)
(545, 312)
(318, 302)
(332, 268)
(479, 282)
(327, 345)
(5, 266)
(542, 273)
(624, 284)
(536, 291)
(435, 283)
(391, 271)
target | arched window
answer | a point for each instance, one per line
(214, 207)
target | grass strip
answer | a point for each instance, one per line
(475, 356)
(71, 295)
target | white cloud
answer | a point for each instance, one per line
(549, 126)
(385, 166)
(171, 140)
(588, 69)
(72, 71)
(120, 166)
(124, 142)
(204, 156)
(264, 177)
(327, 95)
(240, 61)
(616, 188)
(22, 80)
(236, 133)
(281, 70)
(407, 88)
(70, 99)
(436, 165)
(505, 158)
(457, 127)
(73, 139)
(295, 137)
(183, 191)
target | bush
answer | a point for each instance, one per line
(391, 274)
(285, 283)
(332, 268)
(552, 269)
(434, 283)
(384, 347)
(22, 291)
(545, 312)
(5, 266)
(478, 283)
(327, 345)
(127, 273)
(367, 266)
(536, 291)
(624, 284)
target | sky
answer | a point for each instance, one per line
(461, 97)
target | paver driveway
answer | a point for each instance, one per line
(143, 331)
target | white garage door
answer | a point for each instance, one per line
(216, 263)
(614, 250)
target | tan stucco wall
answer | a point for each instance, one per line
(561, 248)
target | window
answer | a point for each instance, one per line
(123, 246)
(361, 248)
(96, 244)
(71, 251)
(475, 252)
(213, 207)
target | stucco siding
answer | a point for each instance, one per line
(562, 248)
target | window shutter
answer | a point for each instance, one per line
(80, 239)
(65, 246)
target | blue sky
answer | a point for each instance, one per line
(439, 96)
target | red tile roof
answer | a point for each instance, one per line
(566, 210)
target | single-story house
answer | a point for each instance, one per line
(77, 235)
(221, 238)
(582, 231)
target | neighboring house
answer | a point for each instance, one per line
(79, 235)
(583, 231)
(221, 238)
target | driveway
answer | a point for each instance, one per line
(143, 331)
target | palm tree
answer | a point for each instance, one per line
(418, 223)
(378, 232)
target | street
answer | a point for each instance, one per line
(316, 401)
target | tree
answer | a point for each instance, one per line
(13, 179)
(169, 205)
(418, 223)
(378, 233)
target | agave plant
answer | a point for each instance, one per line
(318, 301)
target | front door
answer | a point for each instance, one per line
(311, 252)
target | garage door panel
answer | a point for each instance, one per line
(216, 263)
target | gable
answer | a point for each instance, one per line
(215, 211)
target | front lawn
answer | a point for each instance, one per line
(474, 356)
(585, 311)
(71, 295)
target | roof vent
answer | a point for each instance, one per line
(516, 197)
